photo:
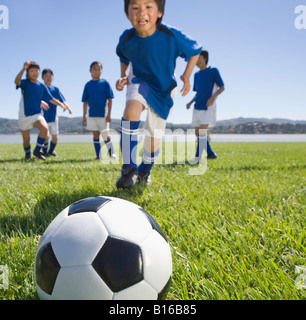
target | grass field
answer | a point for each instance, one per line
(236, 232)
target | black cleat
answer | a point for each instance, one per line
(53, 154)
(128, 178)
(144, 177)
(39, 155)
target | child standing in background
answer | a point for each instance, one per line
(208, 85)
(97, 106)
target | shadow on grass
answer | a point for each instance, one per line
(50, 205)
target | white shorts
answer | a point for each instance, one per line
(27, 123)
(208, 116)
(155, 125)
(53, 127)
(97, 124)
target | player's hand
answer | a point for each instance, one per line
(26, 65)
(44, 105)
(84, 122)
(210, 101)
(69, 109)
(121, 83)
(188, 105)
(186, 87)
(108, 119)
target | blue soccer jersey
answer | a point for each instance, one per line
(154, 60)
(50, 115)
(33, 93)
(204, 81)
(96, 92)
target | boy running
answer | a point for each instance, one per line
(30, 112)
(148, 54)
(208, 84)
(51, 114)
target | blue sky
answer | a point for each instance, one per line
(254, 44)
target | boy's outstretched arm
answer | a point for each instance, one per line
(186, 75)
(20, 74)
(61, 104)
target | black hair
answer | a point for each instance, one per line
(94, 63)
(204, 53)
(46, 71)
(160, 3)
(32, 66)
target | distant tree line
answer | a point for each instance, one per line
(74, 126)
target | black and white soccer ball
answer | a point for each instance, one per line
(103, 248)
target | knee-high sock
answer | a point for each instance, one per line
(129, 141)
(40, 144)
(97, 146)
(148, 160)
(110, 147)
(210, 151)
(52, 147)
(202, 144)
(27, 150)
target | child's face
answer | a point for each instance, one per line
(33, 74)
(48, 78)
(143, 15)
(201, 63)
(96, 71)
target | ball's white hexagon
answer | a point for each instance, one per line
(124, 220)
(140, 291)
(78, 239)
(83, 283)
(157, 260)
(53, 227)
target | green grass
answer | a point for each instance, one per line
(236, 232)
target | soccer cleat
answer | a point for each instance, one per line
(128, 178)
(28, 156)
(212, 157)
(114, 156)
(39, 155)
(144, 177)
(54, 154)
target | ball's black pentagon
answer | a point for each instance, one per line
(88, 205)
(119, 263)
(154, 224)
(162, 295)
(47, 268)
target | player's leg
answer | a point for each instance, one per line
(202, 140)
(53, 129)
(109, 144)
(53, 144)
(210, 152)
(42, 126)
(155, 127)
(151, 150)
(96, 142)
(46, 144)
(26, 143)
(128, 143)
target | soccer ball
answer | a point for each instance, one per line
(103, 248)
